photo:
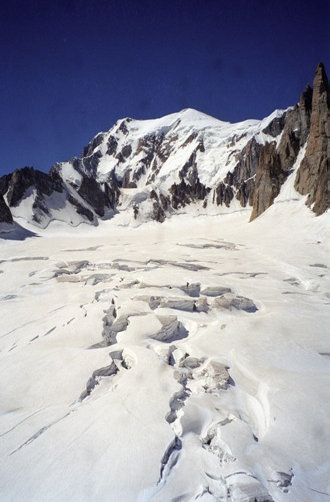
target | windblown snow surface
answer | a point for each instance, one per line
(182, 361)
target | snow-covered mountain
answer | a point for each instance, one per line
(150, 169)
(176, 362)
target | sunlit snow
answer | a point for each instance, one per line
(188, 360)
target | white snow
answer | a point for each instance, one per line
(70, 175)
(24, 207)
(262, 434)
(222, 141)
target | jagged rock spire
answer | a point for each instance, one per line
(312, 176)
(307, 122)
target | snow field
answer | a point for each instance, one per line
(182, 361)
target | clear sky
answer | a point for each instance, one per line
(71, 68)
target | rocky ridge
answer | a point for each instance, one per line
(153, 168)
(312, 177)
(307, 124)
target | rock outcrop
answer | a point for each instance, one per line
(92, 193)
(27, 182)
(242, 177)
(313, 174)
(269, 178)
(5, 214)
(22, 179)
(308, 121)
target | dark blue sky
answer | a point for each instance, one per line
(71, 68)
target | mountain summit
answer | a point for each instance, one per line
(150, 169)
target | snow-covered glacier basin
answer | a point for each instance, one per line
(183, 361)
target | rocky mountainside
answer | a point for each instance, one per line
(152, 168)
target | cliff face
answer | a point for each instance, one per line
(153, 168)
(308, 121)
(5, 214)
(313, 173)
(269, 178)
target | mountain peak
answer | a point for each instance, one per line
(320, 67)
(149, 169)
(320, 83)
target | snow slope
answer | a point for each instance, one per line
(182, 133)
(183, 361)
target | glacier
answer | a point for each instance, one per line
(187, 360)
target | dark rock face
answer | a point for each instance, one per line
(245, 192)
(160, 206)
(312, 176)
(224, 194)
(112, 145)
(123, 126)
(185, 193)
(87, 165)
(90, 164)
(156, 149)
(269, 178)
(91, 192)
(190, 188)
(20, 184)
(189, 170)
(242, 177)
(305, 105)
(295, 131)
(275, 127)
(5, 214)
(96, 141)
(158, 213)
(112, 191)
(290, 142)
(126, 181)
(99, 195)
(4, 183)
(247, 163)
(84, 211)
(124, 153)
(27, 177)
